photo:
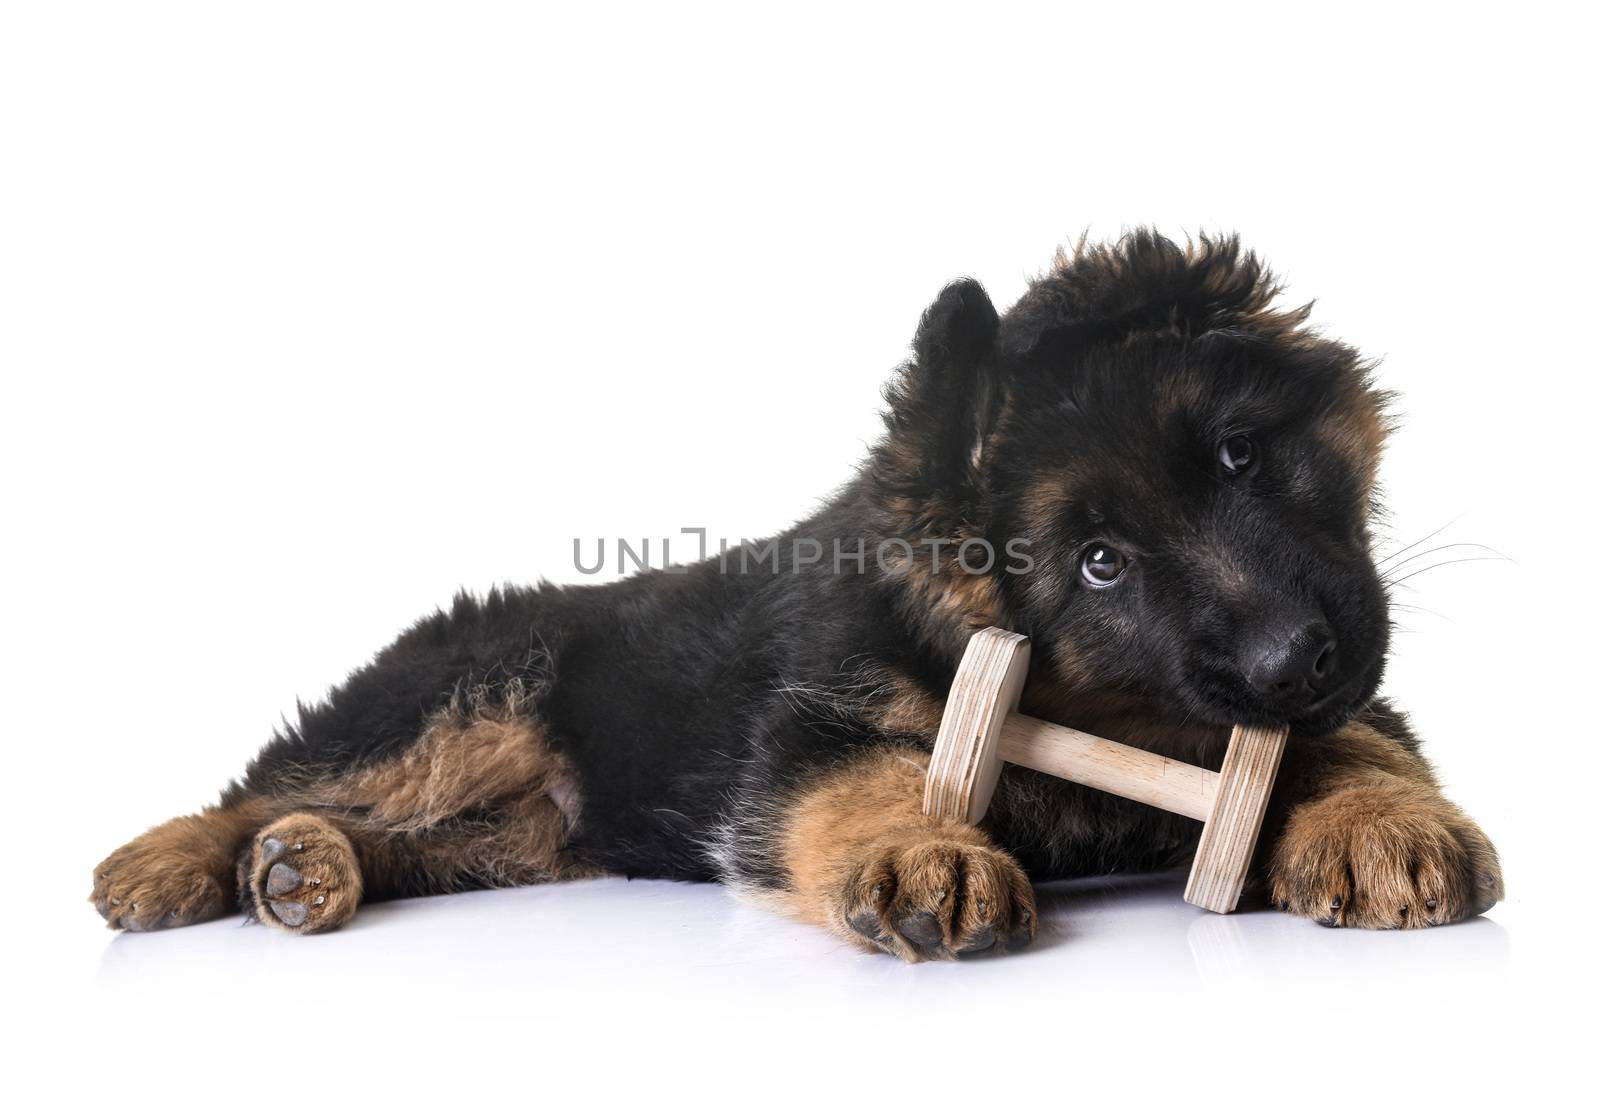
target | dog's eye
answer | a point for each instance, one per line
(1236, 454)
(1103, 565)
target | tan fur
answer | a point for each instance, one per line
(1069, 665)
(389, 829)
(180, 872)
(953, 601)
(1384, 852)
(322, 856)
(1180, 393)
(1350, 755)
(1357, 430)
(863, 861)
(467, 759)
(1044, 502)
(904, 706)
(462, 760)
(1369, 841)
(1048, 495)
(522, 842)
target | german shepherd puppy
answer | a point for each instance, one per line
(1163, 481)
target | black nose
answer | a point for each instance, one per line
(1291, 663)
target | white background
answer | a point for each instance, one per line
(311, 313)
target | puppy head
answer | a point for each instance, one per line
(1190, 473)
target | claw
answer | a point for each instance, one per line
(982, 940)
(867, 926)
(922, 929)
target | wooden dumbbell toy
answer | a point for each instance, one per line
(981, 729)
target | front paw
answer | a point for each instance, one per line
(939, 899)
(1385, 854)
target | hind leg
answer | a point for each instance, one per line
(477, 799)
(301, 873)
(308, 871)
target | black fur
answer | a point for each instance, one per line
(691, 703)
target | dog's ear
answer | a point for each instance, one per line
(942, 405)
(958, 327)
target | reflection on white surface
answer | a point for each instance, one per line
(652, 947)
(643, 988)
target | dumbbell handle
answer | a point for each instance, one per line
(1140, 775)
(981, 729)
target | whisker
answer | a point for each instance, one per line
(1439, 548)
(1409, 609)
(1430, 536)
(1390, 583)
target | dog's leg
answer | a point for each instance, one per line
(301, 873)
(1365, 839)
(477, 799)
(858, 856)
(180, 872)
(307, 871)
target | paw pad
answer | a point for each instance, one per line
(305, 876)
(290, 913)
(282, 879)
